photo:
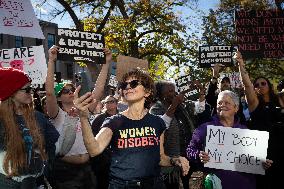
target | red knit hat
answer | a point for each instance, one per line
(11, 80)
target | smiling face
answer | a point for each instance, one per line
(226, 108)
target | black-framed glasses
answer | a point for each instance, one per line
(28, 89)
(263, 83)
(133, 84)
(67, 91)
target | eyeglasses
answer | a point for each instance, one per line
(263, 83)
(67, 91)
(133, 84)
(110, 102)
(28, 89)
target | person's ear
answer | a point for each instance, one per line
(147, 93)
(236, 108)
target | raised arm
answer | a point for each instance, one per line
(94, 145)
(212, 87)
(249, 89)
(101, 80)
(51, 101)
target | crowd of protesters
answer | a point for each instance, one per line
(147, 138)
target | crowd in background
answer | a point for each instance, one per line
(144, 136)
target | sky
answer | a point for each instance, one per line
(66, 21)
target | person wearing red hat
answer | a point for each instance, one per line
(72, 168)
(27, 138)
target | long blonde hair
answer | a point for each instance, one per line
(16, 157)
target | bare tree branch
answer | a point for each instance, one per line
(71, 12)
(104, 21)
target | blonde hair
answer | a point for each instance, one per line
(16, 157)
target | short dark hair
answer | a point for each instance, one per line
(146, 80)
(226, 78)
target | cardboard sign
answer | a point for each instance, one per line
(126, 63)
(185, 85)
(210, 55)
(80, 46)
(28, 59)
(260, 33)
(234, 79)
(17, 18)
(236, 149)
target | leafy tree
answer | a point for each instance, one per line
(146, 29)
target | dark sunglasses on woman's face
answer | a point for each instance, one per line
(28, 89)
(67, 91)
(133, 84)
(263, 83)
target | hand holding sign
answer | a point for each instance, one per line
(239, 59)
(52, 53)
(216, 69)
(267, 164)
(108, 55)
(204, 157)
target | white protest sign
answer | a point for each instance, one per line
(234, 79)
(29, 59)
(17, 18)
(112, 81)
(241, 150)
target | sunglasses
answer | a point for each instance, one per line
(133, 84)
(263, 83)
(67, 91)
(28, 89)
(110, 102)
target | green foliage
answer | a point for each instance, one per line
(145, 29)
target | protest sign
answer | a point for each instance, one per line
(235, 149)
(210, 55)
(28, 59)
(17, 18)
(112, 81)
(80, 46)
(186, 85)
(126, 63)
(234, 79)
(260, 33)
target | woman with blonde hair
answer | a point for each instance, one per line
(26, 135)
